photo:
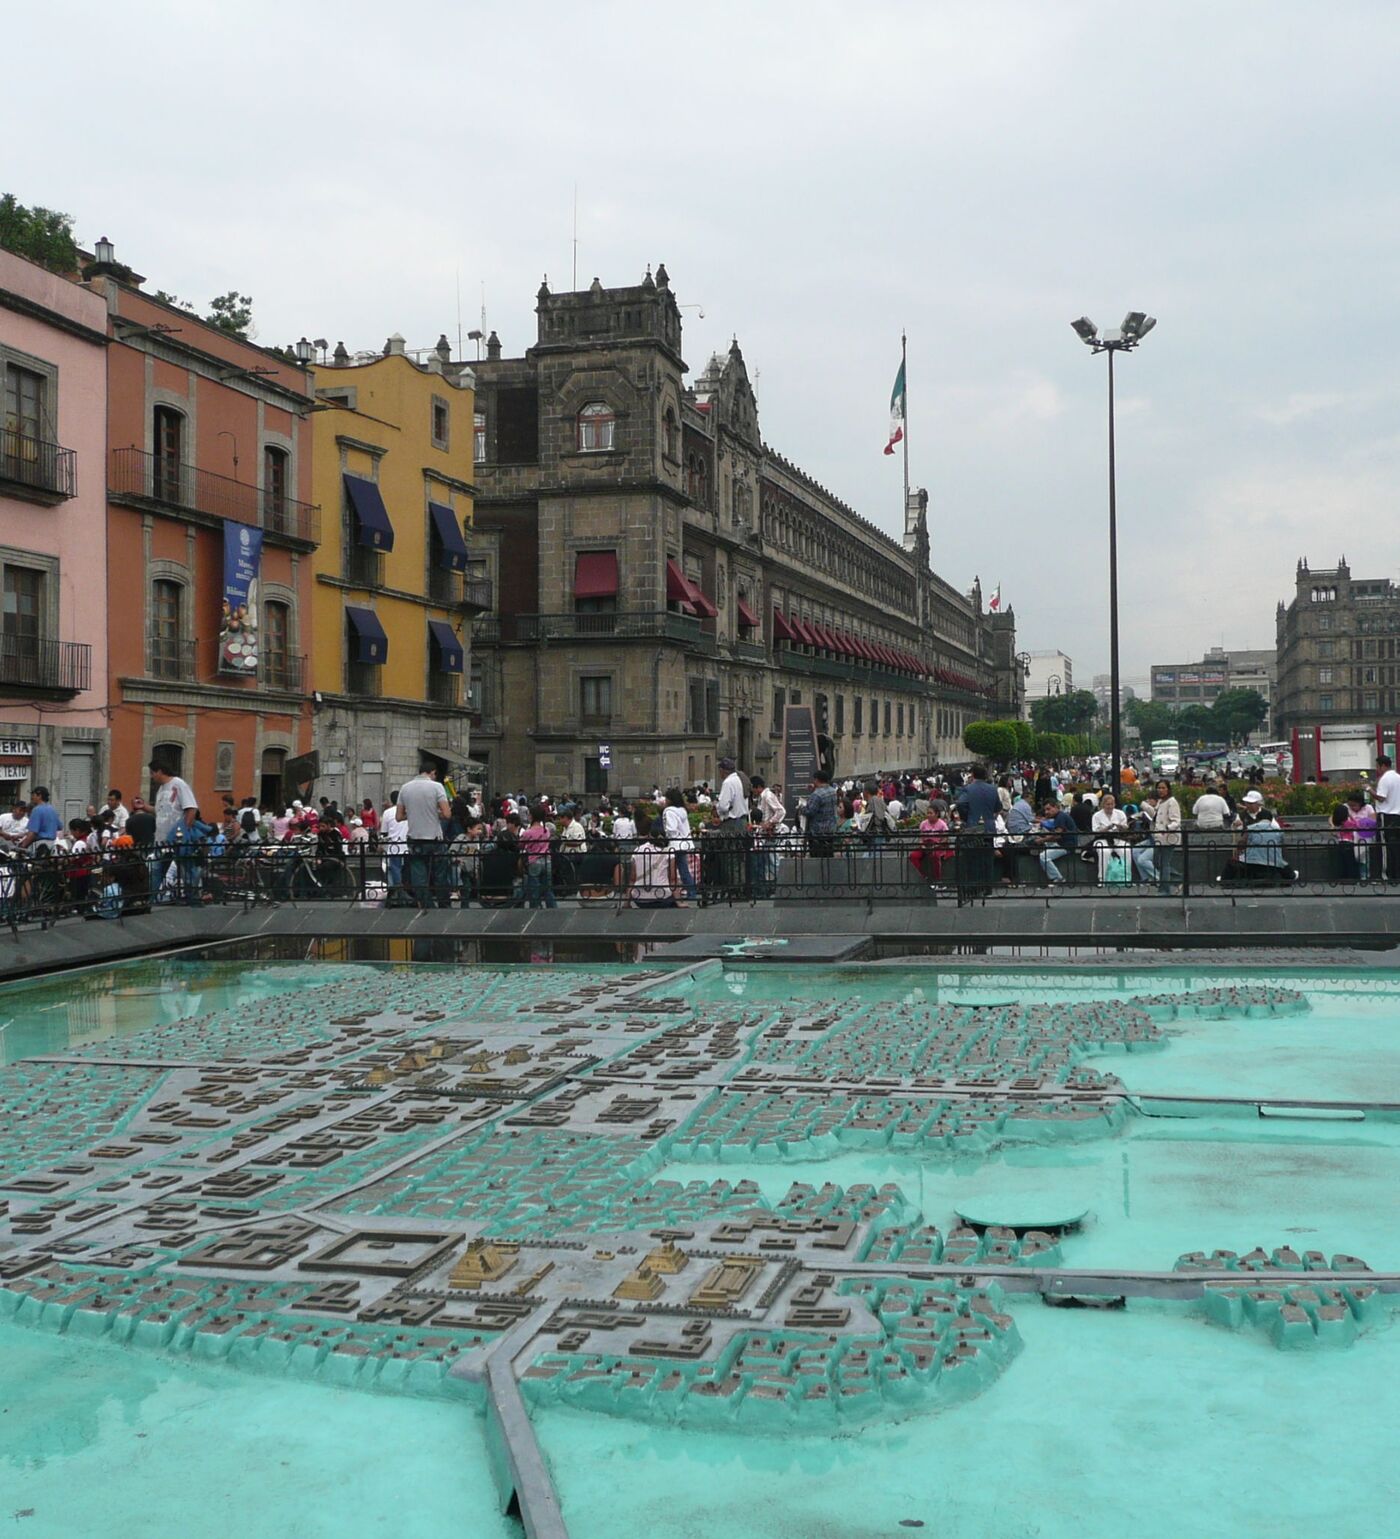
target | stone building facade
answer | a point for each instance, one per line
(1338, 651)
(666, 583)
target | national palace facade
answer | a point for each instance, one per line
(665, 583)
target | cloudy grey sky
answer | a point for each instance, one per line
(817, 176)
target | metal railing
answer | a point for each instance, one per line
(170, 657)
(282, 672)
(59, 667)
(37, 465)
(647, 624)
(152, 478)
(477, 593)
(721, 868)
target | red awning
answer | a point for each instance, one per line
(804, 631)
(844, 644)
(782, 629)
(746, 615)
(595, 574)
(678, 590)
(703, 602)
(826, 638)
(864, 649)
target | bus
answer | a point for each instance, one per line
(1275, 759)
(1166, 756)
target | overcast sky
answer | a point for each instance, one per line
(817, 176)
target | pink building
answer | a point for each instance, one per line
(53, 538)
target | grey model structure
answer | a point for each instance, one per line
(446, 1181)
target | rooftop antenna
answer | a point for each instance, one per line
(574, 284)
(459, 312)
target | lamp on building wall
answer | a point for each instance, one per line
(105, 252)
(1136, 325)
(303, 351)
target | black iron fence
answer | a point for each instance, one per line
(719, 868)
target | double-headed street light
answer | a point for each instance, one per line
(1136, 325)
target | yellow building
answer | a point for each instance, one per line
(393, 447)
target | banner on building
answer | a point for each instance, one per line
(238, 625)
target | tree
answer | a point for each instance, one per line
(1025, 738)
(232, 312)
(41, 235)
(1237, 712)
(1153, 720)
(1071, 713)
(991, 739)
(1195, 724)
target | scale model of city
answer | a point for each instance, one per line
(442, 1181)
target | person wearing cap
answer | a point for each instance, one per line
(1258, 853)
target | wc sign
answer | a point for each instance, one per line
(604, 756)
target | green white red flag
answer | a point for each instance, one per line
(896, 412)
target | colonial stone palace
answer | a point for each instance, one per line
(666, 583)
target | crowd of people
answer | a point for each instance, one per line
(432, 845)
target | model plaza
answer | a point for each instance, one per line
(740, 1213)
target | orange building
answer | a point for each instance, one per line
(209, 538)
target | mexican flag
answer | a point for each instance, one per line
(994, 607)
(896, 412)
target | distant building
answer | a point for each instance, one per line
(1048, 673)
(1127, 690)
(1199, 683)
(1337, 651)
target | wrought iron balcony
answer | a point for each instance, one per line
(149, 478)
(53, 667)
(287, 673)
(169, 657)
(476, 593)
(36, 470)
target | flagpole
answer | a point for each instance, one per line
(904, 369)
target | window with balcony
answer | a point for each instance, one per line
(596, 425)
(276, 488)
(277, 664)
(595, 698)
(479, 438)
(167, 659)
(22, 623)
(595, 591)
(168, 454)
(1324, 702)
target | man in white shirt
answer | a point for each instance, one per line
(175, 803)
(1212, 810)
(422, 807)
(14, 824)
(733, 803)
(732, 810)
(393, 841)
(1387, 799)
(119, 812)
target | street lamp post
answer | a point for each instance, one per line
(1136, 325)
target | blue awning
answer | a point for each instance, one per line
(447, 646)
(371, 516)
(369, 643)
(449, 533)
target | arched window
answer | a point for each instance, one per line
(277, 665)
(167, 646)
(595, 428)
(170, 757)
(276, 485)
(673, 435)
(167, 459)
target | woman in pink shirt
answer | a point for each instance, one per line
(539, 862)
(935, 848)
